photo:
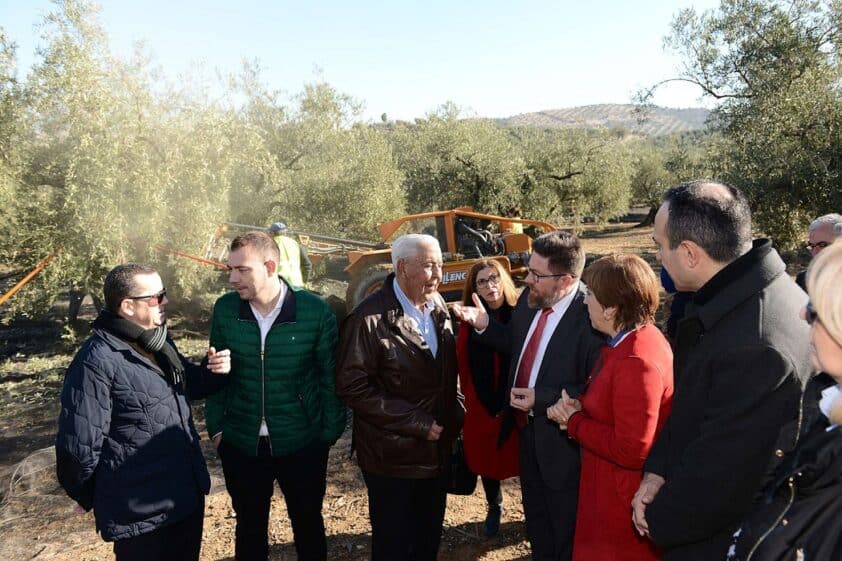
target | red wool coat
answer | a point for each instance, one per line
(481, 430)
(623, 409)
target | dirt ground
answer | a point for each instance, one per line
(38, 522)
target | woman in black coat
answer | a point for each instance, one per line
(799, 516)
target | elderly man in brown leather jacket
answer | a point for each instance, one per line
(397, 372)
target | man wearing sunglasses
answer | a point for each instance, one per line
(821, 233)
(126, 443)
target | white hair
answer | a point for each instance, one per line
(833, 219)
(408, 246)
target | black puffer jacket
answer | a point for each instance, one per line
(800, 516)
(126, 444)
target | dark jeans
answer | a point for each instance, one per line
(406, 517)
(177, 542)
(251, 481)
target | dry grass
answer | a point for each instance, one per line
(618, 238)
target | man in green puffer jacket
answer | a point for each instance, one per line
(279, 414)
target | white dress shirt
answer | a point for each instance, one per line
(265, 324)
(559, 309)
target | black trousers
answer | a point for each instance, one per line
(181, 541)
(251, 481)
(550, 513)
(406, 517)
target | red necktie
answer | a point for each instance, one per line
(528, 359)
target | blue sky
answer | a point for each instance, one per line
(495, 58)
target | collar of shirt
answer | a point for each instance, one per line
(619, 337)
(423, 319)
(265, 322)
(561, 306)
(829, 397)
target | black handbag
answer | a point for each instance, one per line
(461, 480)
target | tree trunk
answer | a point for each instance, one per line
(650, 218)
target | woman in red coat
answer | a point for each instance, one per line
(482, 377)
(624, 406)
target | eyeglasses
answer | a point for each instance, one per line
(818, 245)
(492, 279)
(539, 276)
(153, 299)
(810, 313)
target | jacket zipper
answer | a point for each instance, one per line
(263, 398)
(263, 380)
(791, 484)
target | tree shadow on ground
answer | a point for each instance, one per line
(27, 338)
(613, 232)
(464, 542)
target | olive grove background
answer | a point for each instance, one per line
(108, 157)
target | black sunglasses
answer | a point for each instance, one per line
(817, 245)
(811, 315)
(158, 297)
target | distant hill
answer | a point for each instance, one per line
(660, 120)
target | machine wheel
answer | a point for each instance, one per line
(365, 283)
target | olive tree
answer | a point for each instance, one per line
(450, 161)
(774, 66)
(575, 173)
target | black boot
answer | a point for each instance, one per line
(492, 520)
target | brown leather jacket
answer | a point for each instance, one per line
(387, 375)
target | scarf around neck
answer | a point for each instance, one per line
(153, 341)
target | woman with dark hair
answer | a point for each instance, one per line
(483, 380)
(625, 403)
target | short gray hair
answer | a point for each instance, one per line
(407, 246)
(832, 220)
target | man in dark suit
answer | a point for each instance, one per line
(741, 357)
(551, 335)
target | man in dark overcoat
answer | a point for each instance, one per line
(741, 359)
